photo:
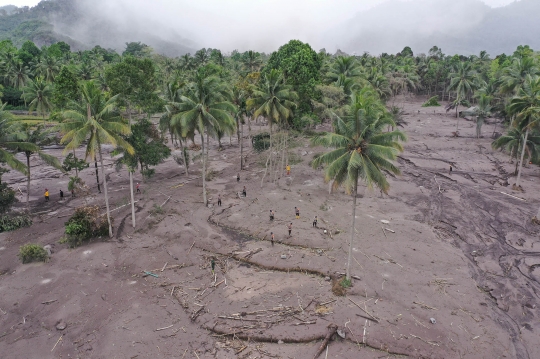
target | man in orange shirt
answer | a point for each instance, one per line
(46, 195)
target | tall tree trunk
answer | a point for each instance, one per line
(241, 147)
(130, 180)
(97, 175)
(185, 157)
(105, 187)
(348, 272)
(76, 167)
(28, 181)
(203, 171)
(522, 156)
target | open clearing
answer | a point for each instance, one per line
(455, 249)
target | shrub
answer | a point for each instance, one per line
(432, 102)
(11, 223)
(86, 223)
(32, 252)
(7, 195)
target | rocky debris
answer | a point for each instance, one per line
(61, 325)
(341, 333)
(432, 320)
(48, 248)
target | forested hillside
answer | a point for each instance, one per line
(69, 21)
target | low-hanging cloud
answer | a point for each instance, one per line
(264, 25)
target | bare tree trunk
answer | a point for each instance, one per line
(76, 167)
(105, 187)
(97, 175)
(348, 272)
(185, 156)
(241, 140)
(28, 182)
(522, 156)
(203, 171)
(131, 181)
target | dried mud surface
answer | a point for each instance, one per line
(454, 249)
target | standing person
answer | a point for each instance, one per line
(315, 222)
(244, 192)
(272, 238)
(238, 177)
(138, 188)
(290, 228)
(219, 200)
(46, 195)
(288, 168)
(297, 212)
(213, 265)
(450, 172)
(271, 215)
(73, 192)
(61, 194)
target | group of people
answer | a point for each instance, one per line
(290, 225)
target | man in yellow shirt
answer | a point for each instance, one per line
(288, 168)
(46, 195)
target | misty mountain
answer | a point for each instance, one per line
(457, 26)
(83, 25)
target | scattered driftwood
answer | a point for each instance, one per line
(363, 310)
(49, 301)
(196, 314)
(521, 199)
(332, 328)
(170, 326)
(263, 339)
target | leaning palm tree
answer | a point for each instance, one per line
(346, 66)
(31, 139)
(204, 106)
(95, 121)
(526, 109)
(39, 93)
(512, 142)
(360, 149)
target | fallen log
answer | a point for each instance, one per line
(332, 328)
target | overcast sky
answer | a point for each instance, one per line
(262, 25)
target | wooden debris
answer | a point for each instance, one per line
(332, 328)
(363, 310)
(191, 248)
(57, 342)
(165, 266)
(49, 301)
(170, 326)
(521, 199)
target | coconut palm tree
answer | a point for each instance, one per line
(526, 109)
(515, 75)
(95, 121)
(252, 61)
(38, 92)
(481, 112)
(18, 75)
(346, 66)
(462, 83)
(360, 149)
(275, 101)
(204, 106)
(47, 67)
(512, 142)
(9, 142)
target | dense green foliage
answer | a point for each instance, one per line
(432, 102)
(11, 223)
(301, 68)
(86, 223)
(149, 146)
(32, 253)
